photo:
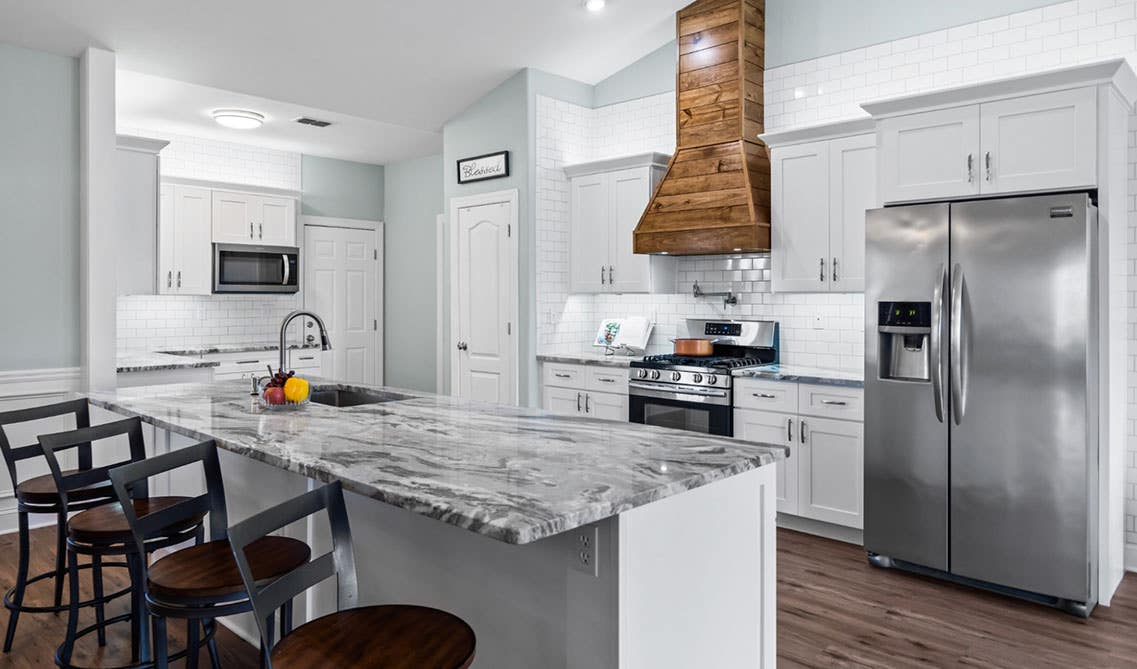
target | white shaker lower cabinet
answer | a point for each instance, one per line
(823, 179)
(607, 199)
(597, 391)
(823, 478)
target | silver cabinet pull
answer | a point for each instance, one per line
(307, 357)
(835, 403)
(611, 277)
(802, 432)
(834, 270)
(605, 379)
(578, 402)
(987, 161)
(765, 396)
(821, 272)
(261, 230)
(935, 343)
(250, 229)
(602, 275)
(248, 362)
(587, 407)
(790, 430)
(179, 278)
(970, 173)
(170, 278)
(559, 375)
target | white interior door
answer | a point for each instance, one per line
(485, 300)
(341, 270)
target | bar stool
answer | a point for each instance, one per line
(201, 583)
(38, 495)
(104, 531)
(389, 636)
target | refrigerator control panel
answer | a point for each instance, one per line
(905, 314)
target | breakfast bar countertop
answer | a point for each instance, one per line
(510, 473)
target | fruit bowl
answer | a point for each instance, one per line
(266, 383)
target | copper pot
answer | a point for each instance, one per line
(694, 347)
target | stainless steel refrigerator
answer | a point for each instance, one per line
(981, 407)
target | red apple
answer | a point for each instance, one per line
(274, 395)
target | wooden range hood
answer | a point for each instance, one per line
(715, 196)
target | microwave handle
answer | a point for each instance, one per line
(287, 269)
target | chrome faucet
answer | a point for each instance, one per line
(325, 343)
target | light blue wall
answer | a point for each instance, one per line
(413, 199)
(799, 30)
(39, 209)
(341, 188)
(651, 75)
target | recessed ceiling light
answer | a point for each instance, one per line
(594, 5)
(238, 119)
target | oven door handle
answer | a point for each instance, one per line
(686, 390)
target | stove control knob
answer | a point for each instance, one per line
(642, 374)
(675, 376)
(698, 378)
(712, 379)
(654, 374)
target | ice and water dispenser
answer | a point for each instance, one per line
(903, 332)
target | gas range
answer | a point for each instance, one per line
(695, 393)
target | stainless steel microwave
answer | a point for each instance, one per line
(248, 268)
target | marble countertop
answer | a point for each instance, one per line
(513, 474)
(589, 358)
(805, 374)
(235, 348)
(149, 361)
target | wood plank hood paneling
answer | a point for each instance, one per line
(715, 197)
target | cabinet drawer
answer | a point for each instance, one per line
(608, 380)
(565, 376)
(766, 395)
(831, 402)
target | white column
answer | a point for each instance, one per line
(97, 251)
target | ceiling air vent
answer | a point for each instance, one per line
(313, 121)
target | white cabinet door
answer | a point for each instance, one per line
(564, 401)
(831, 471)
(774, 428)
(193, 262)
(608, 406)
(233, 215)
(630, 192)
(1040, 142)
(800, 251)
(166, 250)
(588, 255)
(852, 190)
(929, 156)
(276, 220)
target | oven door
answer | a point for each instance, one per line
(245, 268)
(702, 410)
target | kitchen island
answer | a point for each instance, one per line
(564, 542)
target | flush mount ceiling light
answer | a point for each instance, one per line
(594, 5)
(238, 119)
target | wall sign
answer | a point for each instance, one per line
(480, 168)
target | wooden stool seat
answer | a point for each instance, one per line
(390, 636)
(108, 524)
(41, 491)
(209, 570)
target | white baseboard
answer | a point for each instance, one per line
(848, 535)
(1131, 557)
(26, 383)
(251, 639)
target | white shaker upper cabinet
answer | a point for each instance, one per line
(246, 218)
(276, 220)
(588, 239)
(630, 193)
(1040, 142)
(852, 191)
(800, 226)
(185, 264)
(930, 155)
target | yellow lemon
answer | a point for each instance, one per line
(295, 389)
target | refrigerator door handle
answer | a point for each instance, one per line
(935, 343)
(957, 353)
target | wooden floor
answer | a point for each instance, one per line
(834, 610)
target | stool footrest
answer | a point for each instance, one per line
(23, 608)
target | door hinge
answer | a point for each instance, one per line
(508, 229)
(375, 324)
(509, 328)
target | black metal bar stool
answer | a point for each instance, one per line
(104, 531)
(201, 583)
(38, 495)
(392, 636)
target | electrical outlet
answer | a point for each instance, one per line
(818, 323)
(585, 548)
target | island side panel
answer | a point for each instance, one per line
(697, 577)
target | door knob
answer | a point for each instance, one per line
(462, 346)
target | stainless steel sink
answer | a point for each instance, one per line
(339, 397)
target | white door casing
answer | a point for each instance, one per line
(484, 297)
(342, 285)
